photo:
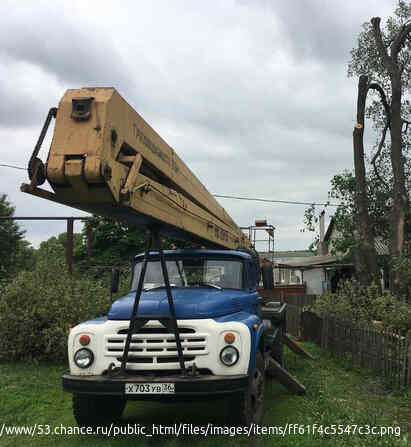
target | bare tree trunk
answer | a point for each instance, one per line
(365, 255)
(399, 192)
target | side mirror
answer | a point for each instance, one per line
(114, 280)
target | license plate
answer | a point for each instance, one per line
(150, 388)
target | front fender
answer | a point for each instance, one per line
(256, 338)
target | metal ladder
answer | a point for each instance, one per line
(169, 321)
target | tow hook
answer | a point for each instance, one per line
(193, 372)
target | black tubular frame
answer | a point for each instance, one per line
(169, 321)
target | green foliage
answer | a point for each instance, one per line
(62, 240)
(403, 267)
(39, 306)
(115, 243)
(15, 253)
(345, 216)
(360, 304)
(365, 60)
(311, 223)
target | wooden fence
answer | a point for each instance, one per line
(295, 305)
(385, 352)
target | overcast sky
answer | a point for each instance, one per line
(253, 95)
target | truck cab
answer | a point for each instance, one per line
(217, 309)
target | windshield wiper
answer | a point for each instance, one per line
(209, 284)
(158, 287)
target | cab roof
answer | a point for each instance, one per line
(199, 252)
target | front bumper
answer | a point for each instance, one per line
(203, 385)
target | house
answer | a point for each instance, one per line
(303, 272)
(381, 248)
(323, 272)
(319, 273)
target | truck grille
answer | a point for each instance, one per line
(155, 345)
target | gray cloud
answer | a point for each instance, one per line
(252, 95)
(62, 46)
(320, 29)
(45, 50)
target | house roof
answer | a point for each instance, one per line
(286, 254)
(311, 262)
(330, 228)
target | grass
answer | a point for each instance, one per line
(337, 393)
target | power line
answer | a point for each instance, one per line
(14, 167)
(275, 201)
(288, 202)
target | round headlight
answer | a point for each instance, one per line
(229, 355)
(83, 358)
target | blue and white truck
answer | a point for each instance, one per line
(193, 324)
(220, 327)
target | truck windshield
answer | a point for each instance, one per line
(192, 272)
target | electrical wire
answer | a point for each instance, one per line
(290, 202)
(254, 199)
(11, 166)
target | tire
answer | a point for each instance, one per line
(248, 407)
(95, 411)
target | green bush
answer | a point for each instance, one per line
(38, 308)
(403, 268)
(360, 304)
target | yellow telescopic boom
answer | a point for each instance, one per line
(105, 159)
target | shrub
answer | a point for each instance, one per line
(403, 268)
(39, 306)
(357, 303)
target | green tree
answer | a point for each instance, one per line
(39, 306)
(61, 241)
(377, 203)
(383, 55)
(15, 252)
(115, 243)
(345, 217)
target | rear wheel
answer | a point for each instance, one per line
(94, 411)
(247, 407)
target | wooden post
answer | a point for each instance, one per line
(69, 244)
(89, 243)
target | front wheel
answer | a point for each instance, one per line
(94, 411)
(247, 407)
